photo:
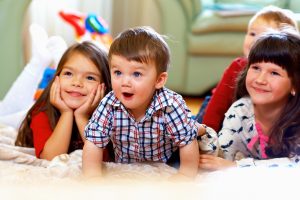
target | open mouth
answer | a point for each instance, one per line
(127, 95)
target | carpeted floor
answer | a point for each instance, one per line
(193, 103)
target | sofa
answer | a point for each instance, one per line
(12, 13)
(203, 41)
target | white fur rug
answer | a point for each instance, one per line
(23, 176)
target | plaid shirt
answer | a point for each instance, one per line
(166, 126)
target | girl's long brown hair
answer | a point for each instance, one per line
(283, 49)
(98, 56)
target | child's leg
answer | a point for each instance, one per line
(20, 95)
(14, 120)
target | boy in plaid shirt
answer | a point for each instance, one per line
(145, 121)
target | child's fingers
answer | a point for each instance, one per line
(91, 97)
(94, 97)
(207, 166)
(204, 159)
(208, 162)
(102, 90)
(54, 90)
(207, 157)
(99, 94)
(214, 163)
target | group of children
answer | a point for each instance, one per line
(115, 106)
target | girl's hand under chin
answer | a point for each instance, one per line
(55, 98)
(88, 107)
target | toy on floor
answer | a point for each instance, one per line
(20, 97)
(88, 27)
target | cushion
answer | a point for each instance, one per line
(261, 3)
(209, 21)
(226, 44)
(191, 7)
(294, 6)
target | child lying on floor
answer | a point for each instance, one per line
(145, 121)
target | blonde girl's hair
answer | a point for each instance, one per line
(275, 15)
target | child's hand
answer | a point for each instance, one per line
(210, 162)
(55, 98)
(88, 107)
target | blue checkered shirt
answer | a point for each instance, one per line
(166, 126)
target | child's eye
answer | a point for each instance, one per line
(275, 73)
(67, 73)
(117, 73)
(137, 74)
(252, 34)
(254, 67)
(91, 78)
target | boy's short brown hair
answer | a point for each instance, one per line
(142, 44)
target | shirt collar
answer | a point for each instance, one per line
(162, 98)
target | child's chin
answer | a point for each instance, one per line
(74, 106)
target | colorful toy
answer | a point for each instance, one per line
(47, 77)
(88, 27)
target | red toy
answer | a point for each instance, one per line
(88, 26)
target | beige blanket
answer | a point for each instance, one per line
(23, 176)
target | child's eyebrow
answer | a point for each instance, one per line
(66, 67)
(86, 72)
(93, 73)
(138, 67)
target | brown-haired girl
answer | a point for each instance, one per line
(55, 123)
(264, 122)
(270, 17)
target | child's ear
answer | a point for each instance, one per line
(161, 80)
(293, 92)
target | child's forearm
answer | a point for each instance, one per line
(59, 141)
(81, 122)
(92, 157)
(189, 159)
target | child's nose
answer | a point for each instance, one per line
(126, 81)
(261, 78)
(77, 81)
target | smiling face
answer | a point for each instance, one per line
(134, 83)
(268, 84)
(79, 76)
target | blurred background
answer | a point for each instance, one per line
(17, 15)
(204, 35)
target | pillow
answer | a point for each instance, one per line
(259, 3)
(209, 21)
